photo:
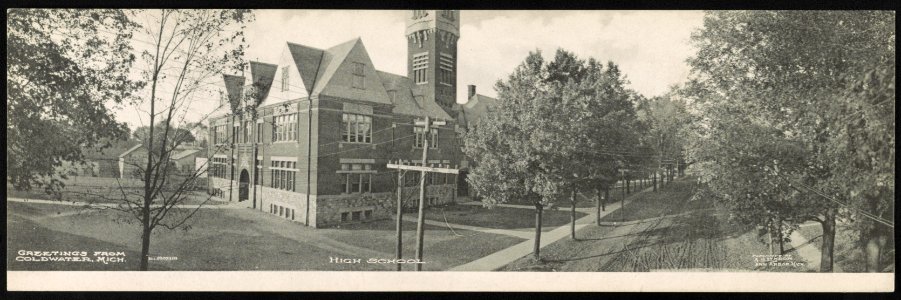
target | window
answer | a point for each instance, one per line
(446, 69)
(420, 65)
(356, 183)
(284, 174)
(358, 75)
(220, 135)
(248, 132)
(344, 216)
(235, 129)
(284, 128)
(260, 132)
(285, 83)
(355, 216)
(217, 167)
(356, 128)
(355, 178)
(421, 136)
(367, 214)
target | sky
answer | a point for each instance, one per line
(650, 47)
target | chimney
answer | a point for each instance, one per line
(472, 91)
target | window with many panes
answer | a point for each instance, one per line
(355, 178)
(218, 167)
(220, 135)
(284, 128)
(420, 65)
(356, 128)
(248, 132)
(359, 76)
(421, 135)
(283, 174)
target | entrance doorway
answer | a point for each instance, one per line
(243, 184)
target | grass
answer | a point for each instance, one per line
(232, 239)
(499, 217)
(654, 204)
(101, 194)
(695, 239)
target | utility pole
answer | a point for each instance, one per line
(398, 252)
(423, 170)
(420, 229)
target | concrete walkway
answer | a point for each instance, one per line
(504, 257)
(116, 205)
(513, 233)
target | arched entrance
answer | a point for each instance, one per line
(243, 184)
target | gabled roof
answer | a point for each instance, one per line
(233, 86)
(307, 60)
(404, 102)
(184, 153)
(476, 108)
(331, 60)
(262, 75)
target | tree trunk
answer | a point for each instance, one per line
(781, 238)
(828, 241)
(655, 181)
(145, 241)
(873, 239)
(628, 186)
(536, 251)
(873, 251)
(606, 197)
(597, 198)
(572, 215)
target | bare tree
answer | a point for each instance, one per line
(188, 50)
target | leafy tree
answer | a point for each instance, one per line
(543, 141)
(766, 84)
(666, 121)
(65, 67)
(179, 135)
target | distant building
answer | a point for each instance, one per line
(97, 162)
(183, 160)
(308, 137)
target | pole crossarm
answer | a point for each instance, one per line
(423, 169)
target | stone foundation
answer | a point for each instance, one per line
(327, 210)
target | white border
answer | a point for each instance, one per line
(447, 281)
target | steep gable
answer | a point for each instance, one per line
(404, 101)
(336, 75)
(261, 75)
(307, 61)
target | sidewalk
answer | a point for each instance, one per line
(503, 257)
(519, 234)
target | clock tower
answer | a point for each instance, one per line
(432, 55)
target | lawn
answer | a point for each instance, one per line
(443, 248)
(696, 239)
(231, 239)
(499, 217)
(655, 204)
(101, 194)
